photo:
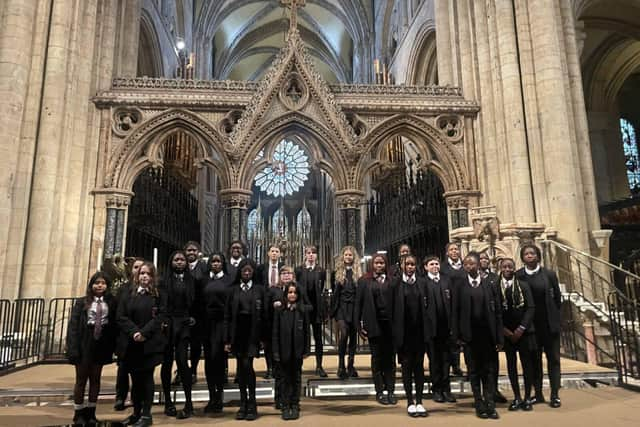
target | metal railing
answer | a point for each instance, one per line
(625, 330)
(56, 327)
(21, 328)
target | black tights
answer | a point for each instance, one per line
(412, 362)
(317, 341)
(84, 373)
(246, 379)
(142, 392)
(180, 350)
(347, 332)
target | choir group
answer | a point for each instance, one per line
(232, 306)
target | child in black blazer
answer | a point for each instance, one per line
(477, 325)
(243, 320)
(142, 341)
(413, 329)
(518, 310)
(291, 344)
(374, 305)
(91, 337)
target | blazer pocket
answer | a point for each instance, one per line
(492, 305)
(258, 304)
(300, 324)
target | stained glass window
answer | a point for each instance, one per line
(252, 225)
(279, 226)
(287, 173)
(630, 146)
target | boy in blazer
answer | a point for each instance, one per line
(440, 347)
(518, 310)
(311, 279)
(269, 277)
(477, 325)
(291, 344)
(452, 267)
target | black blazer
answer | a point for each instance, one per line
(291, 332)
(336, 289)
(80, 335)
(450, 272)
(200, 274)
(167, 285)
(152, 314)
(232, 270)
(263, 273)
(258, 317)
(461, 325)
(427, 298)
(215, 296)
(445, 287)
(372, 299)
(553, 298)
(315, 278)
(513, 317)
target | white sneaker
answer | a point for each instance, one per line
(421, 411)
(411, 410)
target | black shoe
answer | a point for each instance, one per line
(295, 412)
(342, 373)
(450, 398)
(131, 419)
(456, 371)
(538, 399)
(381, 398)
(79, 417)
(438, 397)
(242, 412)
(170, 410)
(481, 410)
(555, 402)
(493, 414)
(119, 405)
(320, 372)
(499, 398)
(144, 422)
(184, 413)
(391, 398)
(268, 375)
(252, 412)
(279, 405)
(515, 405)
(351, 371)
(210, 408)
(286, 413)
(526, 405)
(90, 415)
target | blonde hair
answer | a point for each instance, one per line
(341, 269)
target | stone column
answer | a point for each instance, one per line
(16, 39)
(235, 202)
(349, 203)
(110, 224)
(443, 42)
(128, 38)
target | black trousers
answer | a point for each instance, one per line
(196, 342)
(268, 349)
(178, 347)
(348, 332)
(412, 362)
(550, 345)
(291, 373)
(439, 364)
(215, 361)
(480, 357)
(382, 361)
(317, 340)
(246, 379)
(276, 369)
(142, 391)
(526, 360)
(122, 382)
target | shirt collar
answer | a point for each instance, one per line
(193, 264)
(98, 299)
(248, 285)
(456, 265)
(142, 290)
(531, 272)
(309, 266)
(406, 278)
(507, 283)
(235, 261)
(217, 275)
(433, 276)
(478, 279)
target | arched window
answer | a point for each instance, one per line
(252, 225)
(630, 146)
(287, 173)
(279, 224)
(303, 224)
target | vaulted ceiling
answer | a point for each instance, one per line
(244, 36)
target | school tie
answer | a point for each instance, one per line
(97, 328)
(380, 278)
(274, 276)
(436, 279)
(411, 280)
(244, 287)
(474, 283)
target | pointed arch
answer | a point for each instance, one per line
(438, 154)
(143, 147)
(423, 66)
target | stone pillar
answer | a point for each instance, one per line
(443, 42)
(235, 202)
(128, 38)
(351, 232)
(110, 224)
(16, 34)
(589, 340)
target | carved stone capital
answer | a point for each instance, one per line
(350, 199)
(460, 199)
(235, 198)
(486, 226)
(114, 197)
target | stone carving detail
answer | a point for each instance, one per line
(181, 84)
(235, 198)
(451, 127)
(125, 120)
(229, 121)
(294, 93)
(350, 199)
(359, 126)
(486, 226)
